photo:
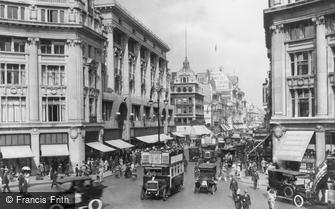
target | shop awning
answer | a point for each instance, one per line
(100, 147)
(259, 144)
(120, 144)
(11, 152)
(293, 145)
(53, 150)
(178, 134)
(150, 139)
(200, 130)
(224, 127)
(236, 136)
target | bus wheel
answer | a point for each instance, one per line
(298, 201)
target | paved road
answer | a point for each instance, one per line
(122, 193)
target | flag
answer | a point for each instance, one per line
(216, 47)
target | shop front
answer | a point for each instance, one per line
(16, 151)
(297, 151)
(54, 152)
(95, 149)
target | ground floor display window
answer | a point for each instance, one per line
(60, 163)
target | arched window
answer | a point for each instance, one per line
(178, 89)
(190, 89)
(184, 80)
(184, 89)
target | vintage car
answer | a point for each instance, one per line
(206, 179)
(285, 182)
(82, 192)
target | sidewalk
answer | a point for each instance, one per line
(47, 180)
(262, 182)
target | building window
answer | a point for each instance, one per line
(12, 74)
(107, 110)
(53, 75)
(136, 112)
(300, 30)
(12, 12)
(2, 11)
(5, 44)
(52, 16)
(52, 47)
(13, 109)
(53, 109)
(53, 138)
(19, 45)
(22, 12)
(93, 110)
(301, 63)
(14, 139)
(303, 103)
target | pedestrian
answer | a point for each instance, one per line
(238, 200)
(233, 186)
(25, 183)
(263, 164)
(54, 178)
(246, 201)
(77, 170)
(255, 179)
(101, 173)
(185, 164)
(21, 182)
(5, 182)
(271, 197)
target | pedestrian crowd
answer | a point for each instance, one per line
(6, 177)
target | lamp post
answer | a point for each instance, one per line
(151, 102)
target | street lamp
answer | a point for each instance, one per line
(151, 102)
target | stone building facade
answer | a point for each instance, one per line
(75, 72)
(300, 42)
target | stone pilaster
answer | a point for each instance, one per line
(33, 79)
(147, 76)
(125, 67)
(76, 146)
(99, 86)
(138, 70)
(320, 145)
(35, 147)
(322, 77)
(110, 58)
(277, 69)
(74, 95)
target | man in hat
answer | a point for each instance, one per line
(246, 201)
(238, 200)
(5, 181)
(233, 186)
(255, 178)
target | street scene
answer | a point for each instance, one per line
(122, 104)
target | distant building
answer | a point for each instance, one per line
(187, 96)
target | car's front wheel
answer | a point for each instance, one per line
(298, 201)
(212, 189)
(56, 206)
(143, 195)
(95, 204)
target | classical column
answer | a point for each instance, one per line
(322, 77)
(295, 73)
(99, 97)
(310, 106)
(35, 148)
(296, 103)
(74, 90)
(110, 58)
(148, 75)
(277, 69)
(33, 79)
(137, 70)
(76, 146)
(320, 145)
(125, 66)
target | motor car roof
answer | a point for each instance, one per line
(73, 178)
(207, 166)
(288, 172)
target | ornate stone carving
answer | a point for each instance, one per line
(277, 28)
(74, 42)
(319, 20)
(32, 40)
(109, 28)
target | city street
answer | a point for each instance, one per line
(121, 193)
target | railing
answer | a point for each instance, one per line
(93, 119)
(55, 1)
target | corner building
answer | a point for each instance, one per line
(300, 38)
(57, 89)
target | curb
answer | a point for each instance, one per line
(36, 183)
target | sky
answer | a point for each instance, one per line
(234, 26)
